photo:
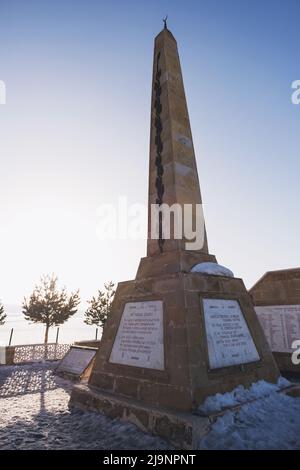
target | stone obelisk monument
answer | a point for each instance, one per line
(185, 328)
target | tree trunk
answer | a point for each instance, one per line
(46, 334)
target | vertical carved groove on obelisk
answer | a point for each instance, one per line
(159, 148)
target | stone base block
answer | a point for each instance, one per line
(182, 430)
(293, 391)
(284, 363)
(94, 343)
(171, 262)
(7, 355)
(187, 377)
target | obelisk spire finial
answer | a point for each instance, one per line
(165, 22)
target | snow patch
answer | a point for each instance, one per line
(242, 395)
(35, 415)
(272, 422)
(213, 269)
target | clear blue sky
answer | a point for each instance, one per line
(75, 132)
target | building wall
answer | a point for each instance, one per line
(279, 288)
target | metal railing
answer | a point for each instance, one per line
(38, 352)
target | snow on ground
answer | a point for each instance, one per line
(270, 422)
(241, 395)
(34, 414)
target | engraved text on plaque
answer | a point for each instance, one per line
(139, 340)
(228, 336)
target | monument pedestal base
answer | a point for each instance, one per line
(171, 262)
(182, 430)
(285, 364)
(172, 341)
